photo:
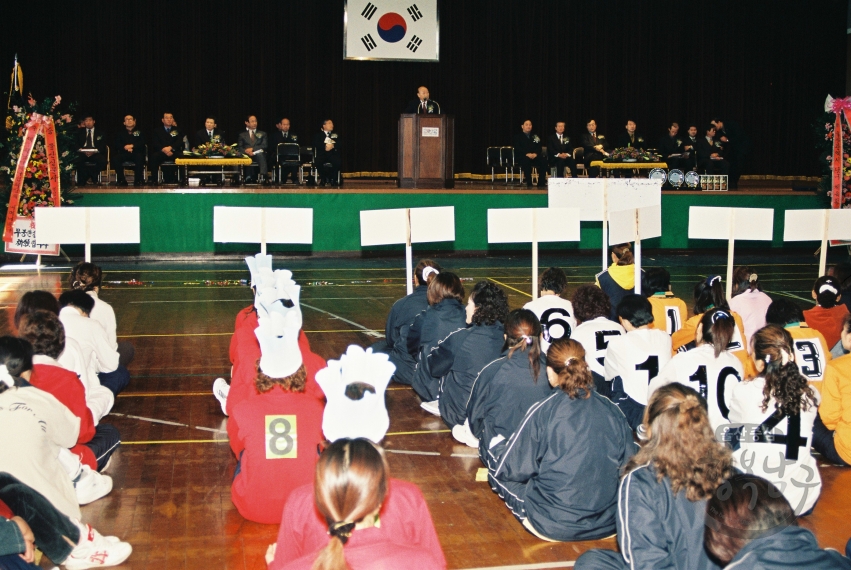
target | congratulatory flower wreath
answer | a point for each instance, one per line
(631, 154)
(215, 148)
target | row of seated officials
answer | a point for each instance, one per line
(706, 150)
(130, 147)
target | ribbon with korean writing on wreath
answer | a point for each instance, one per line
(38, 124)
(839, 107)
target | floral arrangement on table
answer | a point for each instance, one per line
(36, 190)
(824, 133)
(632, 154)
(215, 148)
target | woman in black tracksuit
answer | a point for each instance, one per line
(559, 471)
(509, 385)
(401, 315)
(663, 493)
(464, 353)
(445, 314)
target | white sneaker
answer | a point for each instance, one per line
(91, 485)
(431, 407)
(95, 551)
(221, 389)
(463, 434)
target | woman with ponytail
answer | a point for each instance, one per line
(709, 294)
(710, 368)
(355, 517)
(402, 314)
(776, 412)
(619, 279)
(663, 493)
(509, 385)
(749, 301)
(827, 316)
(573, 436)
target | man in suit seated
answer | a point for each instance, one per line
(209, 133)
(528, 152)
(167, 146)
(422, 105)
(709, 154)
(560, 152)
(690, 148)
(326, 146)
(91, 156)
(630, 138)
(253, 143)
(129, 147)
(282, 135)
(671, 148)
(595, 147)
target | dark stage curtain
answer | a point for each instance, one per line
(766, 65)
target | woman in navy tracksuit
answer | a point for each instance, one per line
(444, 315)
(508, 386)
(559, 471)
(401, 315)
(750, 525)
(464, 353)
(663, 493)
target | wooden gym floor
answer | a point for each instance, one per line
(172, 474)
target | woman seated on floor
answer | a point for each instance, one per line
(401, 315)
(275, 433)
(444, 316)
(665, 486)
(832, 428)
(595, 331)
(751, 525)
(460, 358)
(507, 387)
(570, 439)
(776, 412)
(355, 516)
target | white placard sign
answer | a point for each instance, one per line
(407, 226)
(391, 30)
(818, 225)
(262, 225)
(587, 194)
(705, 222)
(633, 225)
(533, 225)
(81, 225)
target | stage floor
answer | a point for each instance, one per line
(171, 498)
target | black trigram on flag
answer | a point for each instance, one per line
(414, 12)
(415, 43)
(369, 42)
(369, 11)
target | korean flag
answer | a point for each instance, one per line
(391, 30)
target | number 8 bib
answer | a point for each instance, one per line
(281, 437)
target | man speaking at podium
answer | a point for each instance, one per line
(422, 105)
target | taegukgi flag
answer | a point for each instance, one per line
(391, 29)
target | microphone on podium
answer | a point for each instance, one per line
(436, 103)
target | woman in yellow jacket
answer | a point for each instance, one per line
(832, 429)
(618, 280)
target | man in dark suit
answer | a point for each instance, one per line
(630, 138)
(671, 148)
(283, 135)
(690, 148)
(560, 152)
(422, 105)
(595, 147)
(326, 146)
(736, 147)
(129, 147)
(709, 154)
(167, 145)
(91, 156)
(209, 133)
(254, 143)
(528, 152)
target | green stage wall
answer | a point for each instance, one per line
(176, 222)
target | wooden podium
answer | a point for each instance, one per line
(426, 151)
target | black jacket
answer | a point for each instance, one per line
(792, 547)
(399, 320)
(134, 137)
(163, 138)
(98, 139)
(569, 453)
(426, 334)
(278, 137)
(615, 292)
(669, 145)
(637, 142)
(555, 147)
(415, 106)
(588, 142)
(523, 145)
(502, 393)
(458, 361)
(704, 149)
(201, 137)
(320, 153)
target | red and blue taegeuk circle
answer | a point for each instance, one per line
(391, 27)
